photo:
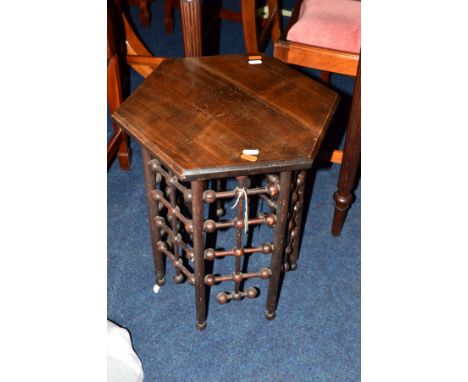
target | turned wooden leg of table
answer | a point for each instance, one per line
(198, 250)
(153, 208)
(278, 244)
(297, 211)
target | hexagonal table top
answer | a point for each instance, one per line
(197, 114)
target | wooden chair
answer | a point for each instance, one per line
(123, 46)
(325, 35)
(118, 144)
(256, 29)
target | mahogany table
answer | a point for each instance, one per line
(194, 117)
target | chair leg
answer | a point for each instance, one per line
(124, 154)
(191, 14)
(169, 16)
(351, 159)
(145, 15)
(249, 25)
(325, 76)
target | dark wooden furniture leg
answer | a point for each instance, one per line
(145, 15)
(153, 208)
(198, 250)
(278, 243)
(325, 76)
(351, 160)
(168, 16)
(190, 11)
(297, 209)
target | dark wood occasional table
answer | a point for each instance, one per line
(194, 117)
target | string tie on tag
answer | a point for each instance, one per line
(242, 192)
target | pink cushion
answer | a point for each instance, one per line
(334, 24)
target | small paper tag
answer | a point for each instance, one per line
(250, 158)
(251, 151)
(255, 62)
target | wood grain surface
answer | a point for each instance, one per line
(197, 114)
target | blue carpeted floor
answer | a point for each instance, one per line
(316, 334)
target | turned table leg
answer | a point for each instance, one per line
(198, 249)
(297, 210)
(278, 243)
(351, 159)
(153, 209)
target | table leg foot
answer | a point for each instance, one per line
(178, 279)
(278, 244)
(161, 282)
(201, 326)
(270, 316)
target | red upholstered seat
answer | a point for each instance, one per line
(334, 24)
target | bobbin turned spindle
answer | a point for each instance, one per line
(224, 297)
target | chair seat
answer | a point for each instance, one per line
(333, 24)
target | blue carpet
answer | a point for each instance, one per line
(316, 334)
